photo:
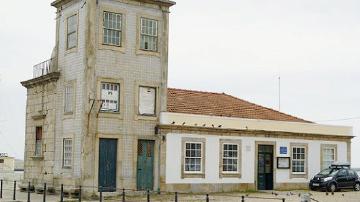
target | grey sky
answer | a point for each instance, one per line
(237, 47)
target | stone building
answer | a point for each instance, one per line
(100, 114)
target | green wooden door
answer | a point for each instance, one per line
(265, 167)
(145, 165)
(107, 164)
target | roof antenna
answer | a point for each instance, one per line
(279, 78)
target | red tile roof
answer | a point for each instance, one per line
(221, 104)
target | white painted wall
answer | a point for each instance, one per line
(173, 159)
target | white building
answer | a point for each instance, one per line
(100, 114)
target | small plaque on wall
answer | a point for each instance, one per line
(283, 162)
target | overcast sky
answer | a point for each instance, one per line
(236, 47)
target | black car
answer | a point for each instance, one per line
(335, 178)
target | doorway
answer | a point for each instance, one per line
(265, 167)
(107, 164)
(145, 165)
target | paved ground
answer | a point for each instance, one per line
(348, 196)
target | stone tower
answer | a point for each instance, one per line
(92, 109)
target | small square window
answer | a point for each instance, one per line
(110, 94)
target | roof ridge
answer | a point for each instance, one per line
(267, 108)
(198, 91)
(240, 99)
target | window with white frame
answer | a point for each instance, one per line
(68, 99)
(72, 31)
(329, 153)
(230, 158)
(193, 157)
(149, 34)
(298, 159)
(38, 141)
(147, 100)
(67, 152)
(110, 93)
(112, 28)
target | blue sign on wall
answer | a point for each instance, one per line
(283, 150)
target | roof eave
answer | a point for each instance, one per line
(168, 3)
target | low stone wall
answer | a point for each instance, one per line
(9, 177)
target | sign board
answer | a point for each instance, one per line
(283, 162)
(283, 150)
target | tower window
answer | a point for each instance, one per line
(147, 101)
(67, 152)
(38, 141)
(112, 28)
(149, 34)
(110, 97)
(68, 99)
(71, 32)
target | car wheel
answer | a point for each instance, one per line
(332, 187)
(357, 187)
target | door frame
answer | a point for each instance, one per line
(119, 155)
(154, 161)
(257, 143)
(116, 160)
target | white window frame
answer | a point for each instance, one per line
(117, 110)
(237, 158)
(67, 152)
(112, 29)
(68, 99)
(151, 33)
(201, 158)
(298, 160)
(74, 32)
(323, 152)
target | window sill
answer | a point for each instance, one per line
(193, 175)
(71, 50)
(230, 175)
(120, 49)
(146, 117)
(110, 115)
(149, 53)
(68, 115)
(37, 157)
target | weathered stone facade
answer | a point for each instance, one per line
(85, 67)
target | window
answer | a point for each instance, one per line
(149, 34)
(68, 99)
(1, 160)
(71, 32)
(110, 97)
(230, 158)
(147, 101)
(328, 156)
(38, 141)
(298, 160)
(67, 152)
(112, 23)
(193, 157)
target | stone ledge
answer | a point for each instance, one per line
(48, 78)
